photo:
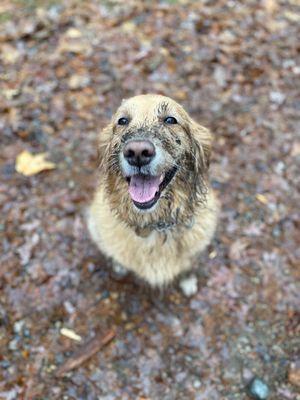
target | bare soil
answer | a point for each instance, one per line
(65, 67)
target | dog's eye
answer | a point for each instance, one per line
(170, 120)
(123, 121)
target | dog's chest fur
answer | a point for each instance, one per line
(156, 254)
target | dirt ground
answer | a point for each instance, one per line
(64, 68)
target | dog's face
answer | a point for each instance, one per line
(154, 158)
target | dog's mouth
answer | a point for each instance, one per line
(145, 190)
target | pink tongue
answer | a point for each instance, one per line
(143, 188)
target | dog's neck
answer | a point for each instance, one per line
(163, 226)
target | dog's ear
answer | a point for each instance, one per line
(201, 140)
(103, 142)
(197, 158)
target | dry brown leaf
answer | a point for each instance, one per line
(9, 54)
(30, 164)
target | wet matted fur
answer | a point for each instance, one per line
(161, 242)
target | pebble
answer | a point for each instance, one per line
(258, 389)
(220, 76)
(26, 333)
(18, 326)
(189, 286)
(197, 384)
(294, 374)
(119, 270)
(78, 81)
(247, 375)
(13, 345)
(277, 97)
(69, 307)
(4, 364)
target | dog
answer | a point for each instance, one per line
(154, 210)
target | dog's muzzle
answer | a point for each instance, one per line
(141, 163)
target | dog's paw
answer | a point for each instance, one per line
(189, 286)
(118, 270)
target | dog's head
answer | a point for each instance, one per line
(154, 158)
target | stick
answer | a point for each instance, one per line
(85, 352)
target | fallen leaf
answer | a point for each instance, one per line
(73, 33)
(261, 198)
(9, 54)
(30, 164)
(292, 16)
(70, 334)
(128, 27)
(10, 93)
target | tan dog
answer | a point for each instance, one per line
(153, 210)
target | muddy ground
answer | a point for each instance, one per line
(64, 68)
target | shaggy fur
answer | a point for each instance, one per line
(160, 243)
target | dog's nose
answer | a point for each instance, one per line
(139, 152)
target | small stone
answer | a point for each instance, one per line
(294, 374)
(59, 358)
(258, 389)
(227, 37)
(4, 364)
(26, 333)
(220, 76)
(279, 167)
(277, 97)
(78, 81)
(13, 345)
(189, 286)
(197, 384)
(247, 375)
(119, 270)
(288, 63)
(69, 307)
(104, 295)
(18, 326)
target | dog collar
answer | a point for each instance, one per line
(163, 226)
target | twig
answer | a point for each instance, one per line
(85, 352)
